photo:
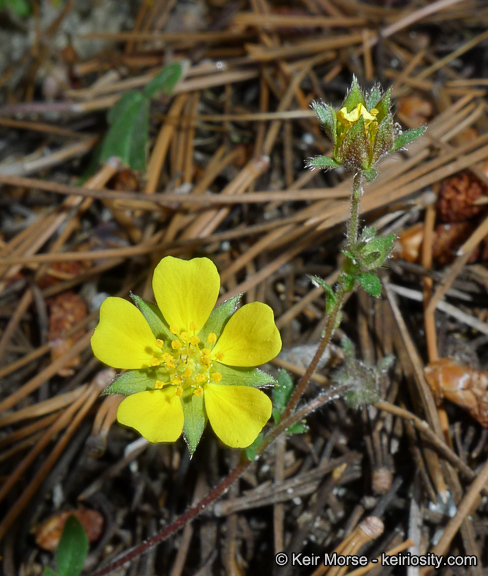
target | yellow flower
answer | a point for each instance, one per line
(189, 370)
(347, 119)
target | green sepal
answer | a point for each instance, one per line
(407, 137)
(384, 138)
(134, 381)
(323, 162)
(330, 297)
(165, 81)
(383, 106)
(281, 394)
(154, 318)
(128, 135)
(72, 548)
(354, 151)
(373, 97)
(349, 255)
(251, 451)
(232, 376)
(195, 419)
(327, 116)
(370, 174)
(218, 318)
(368, 233)
(371, 283)
(354, 97)
(348, 281)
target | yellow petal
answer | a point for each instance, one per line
(250, 337)
(157, 414)
(123, 338)
(237, 414)
(186, 291)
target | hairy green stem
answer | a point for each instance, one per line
(353, 224)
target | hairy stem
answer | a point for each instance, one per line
(224, 484)
(353, 224)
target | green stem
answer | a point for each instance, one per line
(353, 224)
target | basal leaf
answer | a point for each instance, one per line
(165, 81)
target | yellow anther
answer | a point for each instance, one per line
(216, 376)
(173, 329)
(179, 391)
(212, 338)
(219, 356)
(200, 379)
(187, 373)
(193, 326)
(184, 336)
(206, 352)
(176, 380)
(159, 385)
(194, 340)
(155, 362)
(374, 112)
(176, 344)
(206, 361)
(159, 343)
(198, 392)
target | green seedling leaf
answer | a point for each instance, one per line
(154, 318)
(219, 317)
(232, 376)
(128, 135)
(133, 382)
(354, 97)
(195, 419)
(281, 394)
(323, 162)
(407, 137)
(72, 549)
(251, 451)
(371, 283)
(165, 81)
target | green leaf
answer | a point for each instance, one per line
(20, 8)
(232, 376)
(281, 394)
(370, 174)
(154, 318)
(368, 233)
(165, 81)
(218, 318)
(72, 549)
(49, 572)
(251, 451)
(376, 251)
(371, 283)
(323, 162)
(297, 428)
(195, 419)
(407, 137)
(128, 135)
(327, 116)
(330, 297)
(134, 381)
(354, 97)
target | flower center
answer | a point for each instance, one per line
(347, 119)
(186, 362)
